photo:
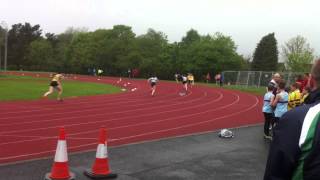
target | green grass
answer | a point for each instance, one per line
(29, 88)
(249, 89)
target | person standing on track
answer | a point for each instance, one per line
(55, 84)
(153, 83)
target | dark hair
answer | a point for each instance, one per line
(296, 85)
(270, 87)
(282, 84)
(300, 77)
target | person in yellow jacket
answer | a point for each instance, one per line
(190, 78)
(294, 96)
(55, 84)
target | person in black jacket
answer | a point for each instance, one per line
(295, 150)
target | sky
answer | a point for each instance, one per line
(246, 21)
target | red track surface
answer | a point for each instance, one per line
(29, 130)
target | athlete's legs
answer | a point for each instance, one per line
(153, 90)
(186, 87)
(59, 89)
(50, 91)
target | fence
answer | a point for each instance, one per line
(255, 78)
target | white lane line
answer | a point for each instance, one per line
(209, 102)
(96, 107)
(97, 114)
(139, 135)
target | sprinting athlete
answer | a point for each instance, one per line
(176, 77)
(190, 78)
(55, 84)
(184, 80)
(153, 83)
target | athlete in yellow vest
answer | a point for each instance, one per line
(55, 84)
(190, 78)
(294, 96)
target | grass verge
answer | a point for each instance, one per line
(28, 88)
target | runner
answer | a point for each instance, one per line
(184, 80)
(153, 83)
(55, 84)
(190, 78)
(176, 77)
(100, 71)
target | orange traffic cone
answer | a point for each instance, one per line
(100, 168)
(60, 169)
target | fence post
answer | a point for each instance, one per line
(259, 79)
(237, 83)
(248, 78)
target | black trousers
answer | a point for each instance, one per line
(268, 120)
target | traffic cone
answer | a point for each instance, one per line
(100, 168)
(60, 169)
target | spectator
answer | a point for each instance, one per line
(280, 102)
(221, 80)
(208, 78)
(313, 91)
(300, 80)
(129, 73)
(294, 96)
(268, 111)
(217, 78)
(294, 152)
(305, 81)
(94, 72)
(274, 82)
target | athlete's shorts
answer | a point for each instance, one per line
(153, 84)
(54, 83)
(184, 82)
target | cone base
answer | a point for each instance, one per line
(72, 177)
(91, 175)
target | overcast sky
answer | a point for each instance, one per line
(246, 21)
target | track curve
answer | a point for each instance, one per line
(28, 130)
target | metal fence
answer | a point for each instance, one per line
(255, 78)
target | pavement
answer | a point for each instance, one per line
(195, 157)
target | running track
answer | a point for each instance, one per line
(28, 130)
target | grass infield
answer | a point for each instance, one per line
(29, 88)
(249, 89)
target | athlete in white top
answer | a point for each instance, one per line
(184, 82)
(153, 82)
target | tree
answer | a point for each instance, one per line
(191, 36)
(41, 55)
(2, 39)
(297, 54)
(154, 52)
(265, 57)
(19, 39)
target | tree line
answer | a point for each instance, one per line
(118, 49)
